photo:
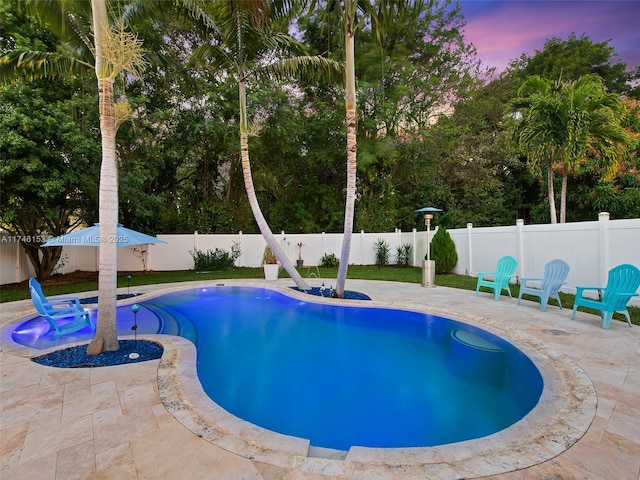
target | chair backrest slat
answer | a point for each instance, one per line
(505, 268)
(33, 283)
(623, 278)
(555, 273)
(37, 301)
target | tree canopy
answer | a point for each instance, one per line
(431, 131)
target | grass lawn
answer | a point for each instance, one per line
(87, 281)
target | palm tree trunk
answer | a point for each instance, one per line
(551, 193)
(106, 338)
(352, 148)
(251, 193)
(563, 198)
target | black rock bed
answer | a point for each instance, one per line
(121, 296)
(76, 357)
(326, 292)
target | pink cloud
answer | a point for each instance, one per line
(506, 29)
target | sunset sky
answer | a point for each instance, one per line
(502, 30)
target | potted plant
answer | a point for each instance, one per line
(300, 262)
(270, 264)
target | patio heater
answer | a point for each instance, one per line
(428, 266)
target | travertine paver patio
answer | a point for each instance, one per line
(111, 422)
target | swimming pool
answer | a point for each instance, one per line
(344, 375)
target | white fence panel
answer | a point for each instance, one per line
(313, 250)
(331, 244)
(14, 263)
(488, 245)
(462, 238)
(624, 242)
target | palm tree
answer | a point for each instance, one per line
(248, 45)
(532, 133)
(114, 51)
(592, 118)
(351, 13)
(564, 123)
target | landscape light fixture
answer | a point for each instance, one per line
(135, 308)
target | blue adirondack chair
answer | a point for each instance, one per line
(622, 284)
(64, 314)
(555, 274)
(505, 269)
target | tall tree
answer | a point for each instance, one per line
(41, 133)
(114, 50)
(568, 60)
(350, 24)
(44, 127)
(250, 43)
(352, 14)
(562, 123)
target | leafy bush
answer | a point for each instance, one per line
(404, 255)
(215, 260)
(443, 251)
(329, 260)
(382, 253)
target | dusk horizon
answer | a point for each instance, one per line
(503, 30)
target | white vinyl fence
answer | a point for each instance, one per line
(590, 248)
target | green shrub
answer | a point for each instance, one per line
(329, 260)
(404, 255)
(382, 253)
(215, 260)
(443, 251)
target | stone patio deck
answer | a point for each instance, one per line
(138, 421)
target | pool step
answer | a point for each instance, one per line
(172, 321)
(328, 453)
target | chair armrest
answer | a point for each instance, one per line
(581, 289)
(626, 294)
(61, 307)
(482, 274)
(523, 281)
(59, 304)
(67, 300)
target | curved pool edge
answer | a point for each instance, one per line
(562, 416)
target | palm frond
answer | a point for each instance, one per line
(196, 11)
(305, 67)
(69, 20)
(31, 65)
(219, 57)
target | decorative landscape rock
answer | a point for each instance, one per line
(76, 357)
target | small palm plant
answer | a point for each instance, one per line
(382, 253)
(404, 254)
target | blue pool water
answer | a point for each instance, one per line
(344, 375)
